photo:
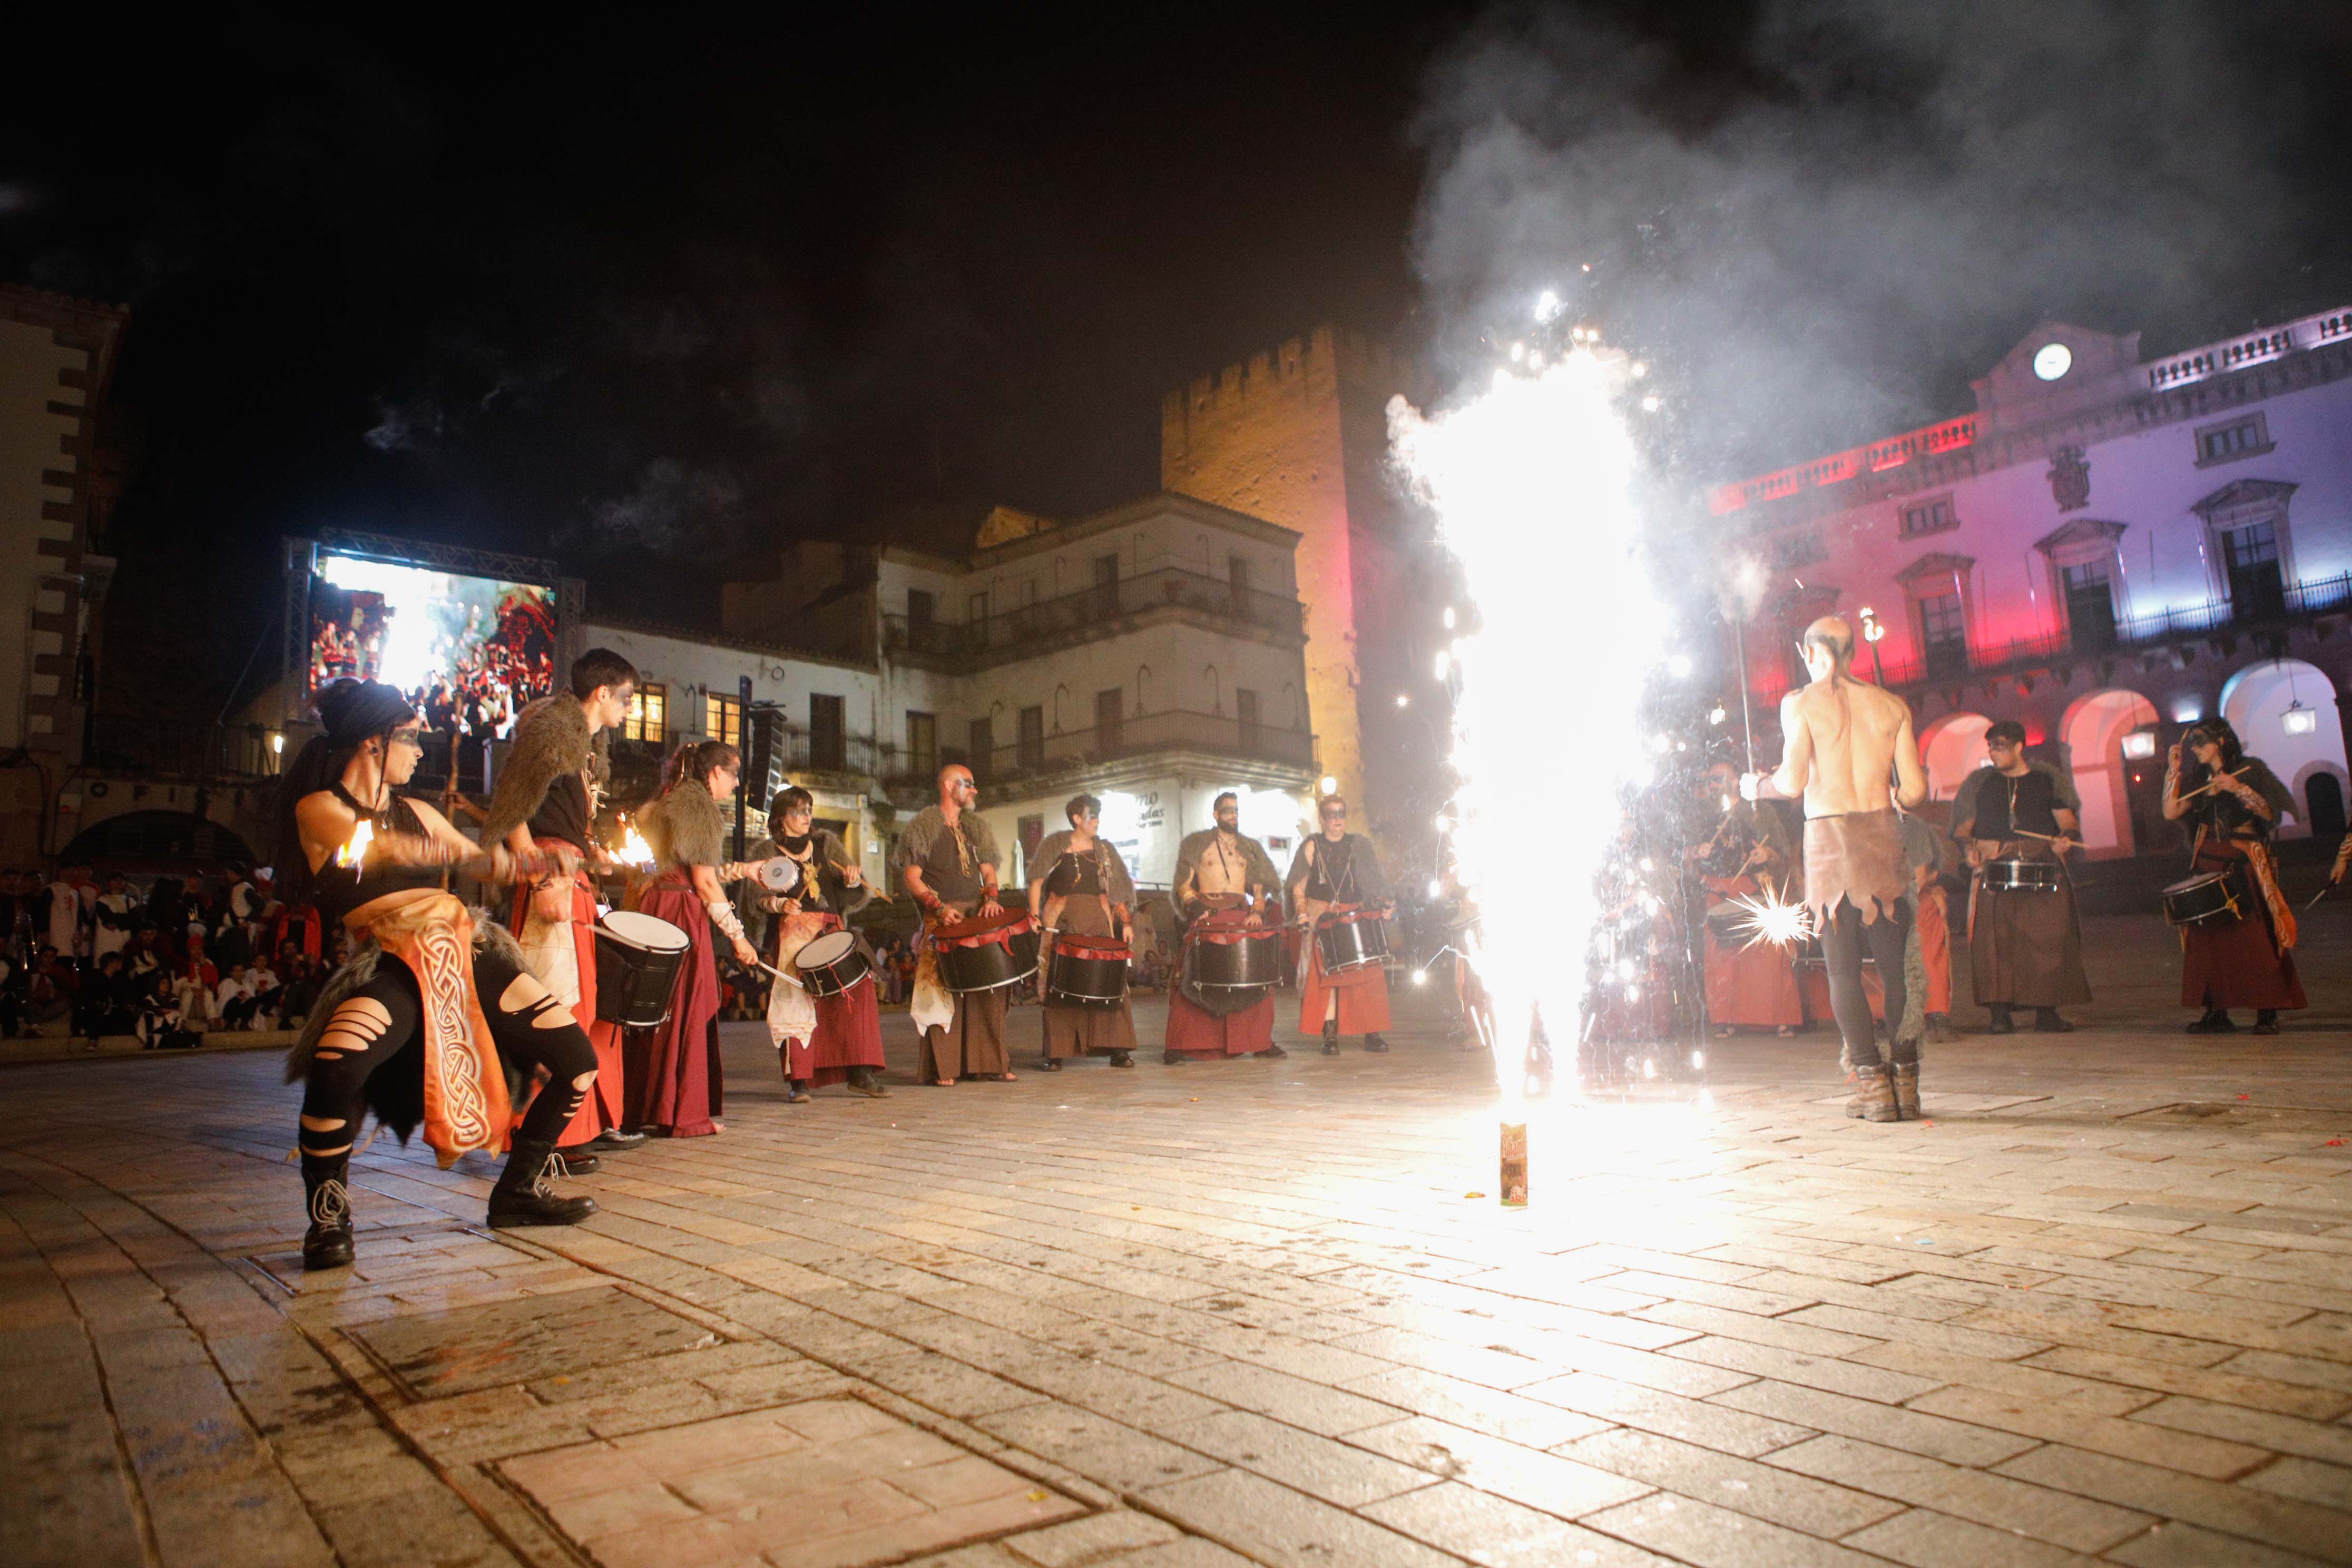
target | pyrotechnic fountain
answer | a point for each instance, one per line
(1532, 485)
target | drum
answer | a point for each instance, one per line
(1086, 971)
(638, 961)
(2020, 876)
(831, 963)
(781, 875)
(1233, 958)
(2215, 896)
(983, 955)
(1350, 940)
(1731, 923)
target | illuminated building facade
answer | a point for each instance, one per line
(1150, 655)
(2107, 550)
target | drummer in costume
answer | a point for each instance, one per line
(819, 1039)
(1335, 873)
(424, 1021)
(675, 1086)
(1750, 984)
(1079, 886)
(2233, 803)
(546, 798)
(2025, 946)
(1224, 881)
(948, 856)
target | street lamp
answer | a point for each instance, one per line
(1872, 630)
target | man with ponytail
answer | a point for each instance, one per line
(424, 1021)
(673, 1079)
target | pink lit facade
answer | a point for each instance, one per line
(2105, 551)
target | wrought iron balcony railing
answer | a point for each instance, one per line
(1072, 617)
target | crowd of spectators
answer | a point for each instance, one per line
(169, 961)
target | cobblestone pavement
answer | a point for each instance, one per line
(2099, 1309)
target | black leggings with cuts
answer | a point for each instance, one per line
(376, 1027)
(1846, 943)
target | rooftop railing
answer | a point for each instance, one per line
(1140, 734)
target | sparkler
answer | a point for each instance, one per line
(1773, 919)
(1531, 484)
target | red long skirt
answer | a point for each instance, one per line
(848, 1034)
(2236, 964)
(1194, 1031)
(1364, 995)
(602, 1109)
(673, 1082)
(1754, 985)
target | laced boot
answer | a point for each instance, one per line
(328, 1243)
(1332, 1036)
(1906, 1091)
(1873, 1095)
(526, 1192)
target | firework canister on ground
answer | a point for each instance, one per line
(1515, 1164)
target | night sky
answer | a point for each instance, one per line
(652, 303)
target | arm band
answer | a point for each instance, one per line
(722, 915)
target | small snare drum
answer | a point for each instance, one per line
(2020, 876)
(832, 964)
(638, 958)
(983, 955)
(1086, 971)
(2218, 896)
(1351, 939)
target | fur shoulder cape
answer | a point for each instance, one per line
(692, 831)
(550, 740)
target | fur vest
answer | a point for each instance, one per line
(685, 828)
(550, 740)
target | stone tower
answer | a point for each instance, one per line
(1299, 436)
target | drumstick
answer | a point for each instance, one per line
(781, 975)
(2214, 783)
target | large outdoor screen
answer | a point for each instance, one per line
(468, 651)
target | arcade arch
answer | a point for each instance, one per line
(1952, 748)
(2258, 701)
(2094, 729)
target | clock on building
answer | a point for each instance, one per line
(2051, 360)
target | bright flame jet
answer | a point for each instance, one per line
(1532, 487)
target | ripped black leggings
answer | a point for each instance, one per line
(382, 1022)
(1846, 941)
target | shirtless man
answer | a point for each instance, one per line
(1842, 742)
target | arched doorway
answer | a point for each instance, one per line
(173, 841)
(2285, 712)
(1952, 748)
(2117, 791)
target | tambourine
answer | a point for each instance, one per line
(781, 875)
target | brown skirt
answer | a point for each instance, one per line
(1856, 857)
(972, 1045)
(2026, 949)
(2236, 964)
(1085, 1031)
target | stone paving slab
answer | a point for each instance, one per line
(2097, 1308)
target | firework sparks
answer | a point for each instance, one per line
(1770, 919)
(1531, 484)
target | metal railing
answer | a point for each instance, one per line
(2256, 612)
(1091, 609)
(1137, 735)
(180, 748)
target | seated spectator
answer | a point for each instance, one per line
(233, 999)
(51, 994)
(159, 1028)
(268, 994)
(301, 992)
(104, 1005)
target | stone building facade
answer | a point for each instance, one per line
(2107, 550)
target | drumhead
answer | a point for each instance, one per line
(648, 932)
(780, 875)
(2208, 880)
(830, 948)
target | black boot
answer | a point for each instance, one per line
(1121, 1059)
(1174, 1058)
(613, 1140)
(2046, 1021)
(1374, 1044)
(1332, 1036)
(861, 1081)
(1047, 1064)
(328, 1243)
(1272, 1053)
(2266, 1021)
(2216, 1021)
(526, 1194)
(2000, 1021)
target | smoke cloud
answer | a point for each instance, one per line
(1818, 227)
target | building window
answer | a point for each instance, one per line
(1032, 739)
(921, 608)
(2248, 437)
(1798, 549)
(1110, 717)
(722, 718)
(1943, 634)
(1932, 516)
(923, 744)
(983, 747)
(1245, 715)
(1237, 572)
(648, 719)
(2090, 605)
(828, 742)
(976, 609)
(2257, 585)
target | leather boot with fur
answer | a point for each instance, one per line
(1874, 1095)
(1906, 1091)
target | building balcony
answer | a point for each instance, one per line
(183, 748)
(1142, 735)
(1091, 613)
(2258, 608)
